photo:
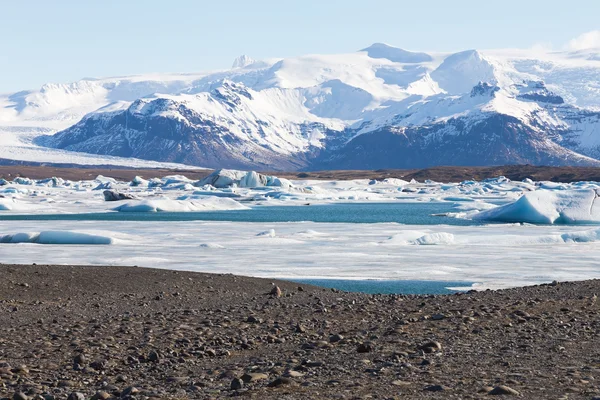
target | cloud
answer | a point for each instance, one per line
(586, 41)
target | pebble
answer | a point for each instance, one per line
(101, 396)
(276, 291)
(76, 396)
(336, 338)
(254, 376)
(365, 347)
(280, 382)
(431, 347)
(503, 390)
(237, 384)
(436, 388)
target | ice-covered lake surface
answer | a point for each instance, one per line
(495, 233)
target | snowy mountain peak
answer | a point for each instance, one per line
(395, 54)
(242, 61)
(460, 72)
(381, 107)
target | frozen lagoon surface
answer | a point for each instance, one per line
(495, 233)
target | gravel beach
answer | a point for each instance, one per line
(80, 332)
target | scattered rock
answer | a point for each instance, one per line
(503, 390)
(253, 377)
(336, 338)
(430, 347)
(281, 381)
(76, 396)
(276, 291)
(236, 384)
(365, 347)
(436, 388)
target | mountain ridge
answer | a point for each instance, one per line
(420, 109)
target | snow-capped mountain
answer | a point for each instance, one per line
(381, 107)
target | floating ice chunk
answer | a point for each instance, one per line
(19, 180)
(435, 239)
(167, 205)
(104, 186)
(105, 179)
(212, 246)
(548, 207)
(57, 237)
(404, 237)
(269, 233)
(138, 181)
(224, 178)
(113, 195)
(53, 182)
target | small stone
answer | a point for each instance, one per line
(294, 374)
(280, 382)
(503, 390)
(276, 291)
(431, 347)
(80, 359)
(300, 328)
(254, 320)
(153, 356)
(101, 396)
(365, 347)
(253, 377)
(76, 396)
(336, 338)
(237, 384)
(20, 396)
(438, 317)
(436, 388)
(129, 391)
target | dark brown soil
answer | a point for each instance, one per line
(439, 174)
(100, 331)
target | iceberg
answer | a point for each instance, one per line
(548, 207)
(224, 178)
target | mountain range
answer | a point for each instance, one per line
(380, 107)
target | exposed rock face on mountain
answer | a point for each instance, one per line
(381, 107)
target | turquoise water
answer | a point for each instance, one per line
(404, 213)
(386, 287)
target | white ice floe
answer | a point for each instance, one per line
(59, 238)
(492, 256)
(167, 205)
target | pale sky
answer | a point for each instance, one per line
(66, 40)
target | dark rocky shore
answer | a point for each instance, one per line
(133, 333)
